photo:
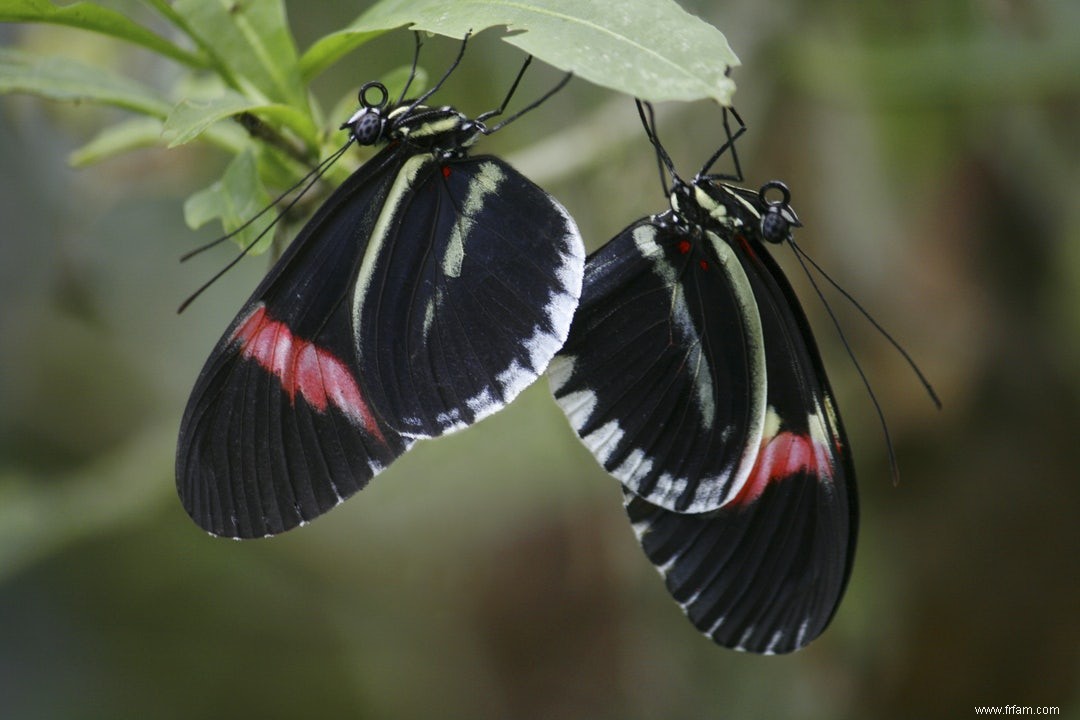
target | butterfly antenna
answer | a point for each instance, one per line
(729, 144)
(311, 178)
(893, 465)
(663, 160)
(315, 172)
(892, 341)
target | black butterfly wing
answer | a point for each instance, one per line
(662, 374)
(425, 294)
(467, 293)
(765, 571)
(279, 427)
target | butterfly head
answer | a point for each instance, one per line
(778, 217)
(369, 124)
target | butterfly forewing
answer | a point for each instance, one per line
(279, 427)
(661, 374)
(453, 326)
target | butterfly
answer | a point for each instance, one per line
(692, 375)
(429, 290)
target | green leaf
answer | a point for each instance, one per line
(252, 39)
(60, 78)
(330, 48)
(651, 49)
(88, 16)
(191, 118)
(139, 132)
(234, 199)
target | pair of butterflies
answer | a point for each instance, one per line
(433, 286)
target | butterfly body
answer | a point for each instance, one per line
(692, 375)
(423, 295)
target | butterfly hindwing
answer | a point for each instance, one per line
(756, 576)
(468, 296)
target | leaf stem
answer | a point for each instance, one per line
(262, 131)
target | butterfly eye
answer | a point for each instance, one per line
(367, 127)
(774, 226)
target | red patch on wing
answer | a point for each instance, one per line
(744, 244)
(781, 457)
(304, 368)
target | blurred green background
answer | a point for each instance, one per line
(933, 155)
